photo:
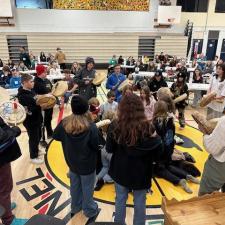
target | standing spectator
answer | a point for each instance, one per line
(43, 58)
(10, 151)
(197, 78)
(114, 80)
(24, 57)
(216, 107)
(61, 58)
(132, 144)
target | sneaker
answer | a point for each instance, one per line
(37, 161)
(184, 185)
(93, 218)
(189, 158)
(99, 185)
(13, 205)
(193, 179)
(178, 140)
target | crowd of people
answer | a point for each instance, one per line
(138, 144)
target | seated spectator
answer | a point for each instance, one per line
(15, 80)
(76, 68)
(120, 60)
(22, 67)
(55, 69)
(1, 63)
(113, 61)
(33, 62)
(161, 57)
(208, 68)
(5, 77)
(43, 58)
(152, 67)
(10, 64)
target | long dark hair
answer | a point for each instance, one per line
(132, 123)
(223, 69)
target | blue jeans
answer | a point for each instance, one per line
(103, 174)
(81, 190)
(139, 205)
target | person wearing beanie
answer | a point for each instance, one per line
(179, 88)
(84, 79)
(156, 83)
(43, 86)
(80, 141)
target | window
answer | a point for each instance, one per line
(220, 6)
(193, 5)
(34, 4)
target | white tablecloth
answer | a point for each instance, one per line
(28, 72)
(12, 91)
(174, 69)
(194, 86)
(146, 74)
(127, 66)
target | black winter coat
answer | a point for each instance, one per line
(131, 167)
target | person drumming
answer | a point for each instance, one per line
(43, 86)
(33, 119)
(114, 80)
(84, 79)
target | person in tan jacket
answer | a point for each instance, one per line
(61, 58)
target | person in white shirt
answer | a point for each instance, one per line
(110, 106)
(213, 177)
(216, 107)
(55, 70)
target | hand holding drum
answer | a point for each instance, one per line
(207, 99)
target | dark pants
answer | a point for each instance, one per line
(170, 173)
(62, 66)
(6, 185)
(48, 121)
(34, 134)
(181, 117)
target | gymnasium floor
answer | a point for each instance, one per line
(44, 189)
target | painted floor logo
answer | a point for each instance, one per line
(193, 145)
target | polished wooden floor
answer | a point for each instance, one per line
(40, 189)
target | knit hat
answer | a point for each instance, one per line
(40, 69)
(79, 105)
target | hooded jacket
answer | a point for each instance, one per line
(131, 167)
(80, 150)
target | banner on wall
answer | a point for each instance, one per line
(111, 5)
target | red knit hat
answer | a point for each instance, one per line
(40, 69)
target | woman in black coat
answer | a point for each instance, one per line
(133, 149)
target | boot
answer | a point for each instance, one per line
(192, 179)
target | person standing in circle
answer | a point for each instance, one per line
(79, 137)
(114, 80)
(84, 79)
(134, 148)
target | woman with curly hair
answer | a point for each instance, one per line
(134, 148)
